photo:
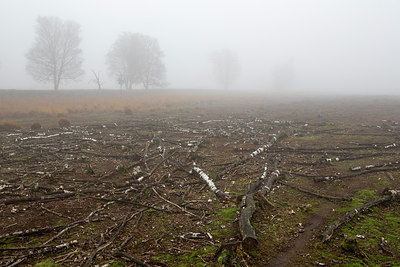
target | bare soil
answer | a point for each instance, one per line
(117, 187)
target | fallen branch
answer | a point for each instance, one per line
(130, 258)
(128, 216)
(328, 232)
(36, 251)
(314, 193)
(174, 204)
(56, 213)
(30, 232)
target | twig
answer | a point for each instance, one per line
(174, 204)
(56, 213)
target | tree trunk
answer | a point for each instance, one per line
(328, 232)
(249, 239)
(55, 82)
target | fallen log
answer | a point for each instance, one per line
(314, 193)
(247, 232)
(334, 177)
(220, 195)
(328, 232)
(29, 232)
(249, 238)
(374, 166)
(115, 156)
(258, 151)
(42, 198)
(46, 198)
(275, 174)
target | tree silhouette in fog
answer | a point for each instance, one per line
(136, 59)
(55, 55)
(226, 67)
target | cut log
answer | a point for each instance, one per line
(260, 150)
(274, 175)
(328, 232)
(328, 178)
(249, 239)
(221, 195)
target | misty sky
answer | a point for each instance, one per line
(339, 46)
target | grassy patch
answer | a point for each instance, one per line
(310, 137)
(193, 258)
(367, 230)
(359, 199)
(46, 263)
(7, 242)
(219, 227)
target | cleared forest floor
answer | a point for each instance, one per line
(120, 187)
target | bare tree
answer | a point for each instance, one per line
(136, 59)
(226, 67)
(97, 80)
(55, 55)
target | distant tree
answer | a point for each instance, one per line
(226, 67)
(136, 59)
(55, 55)
(97, 80)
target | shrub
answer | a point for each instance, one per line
(9, 126)
(36, 126)
(64, 123)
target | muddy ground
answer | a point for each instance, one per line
(118, 187)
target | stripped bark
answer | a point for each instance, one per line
(328, 232)
(247, 232)
(220, 195)
(333, 177)
(274, 175)
(260, 150)
(372, 166)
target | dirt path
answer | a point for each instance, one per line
(316, 220)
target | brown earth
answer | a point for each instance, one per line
(83, 184)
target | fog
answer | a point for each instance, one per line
(305, 46)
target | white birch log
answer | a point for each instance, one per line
(221, 195)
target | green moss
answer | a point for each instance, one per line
(227, 215)
(7, 242)
(46, 263)
(117, 264)
(187, 259)
(366, 193)
(364, 251)
(361, 198)
(382, 181)
(61, 222)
